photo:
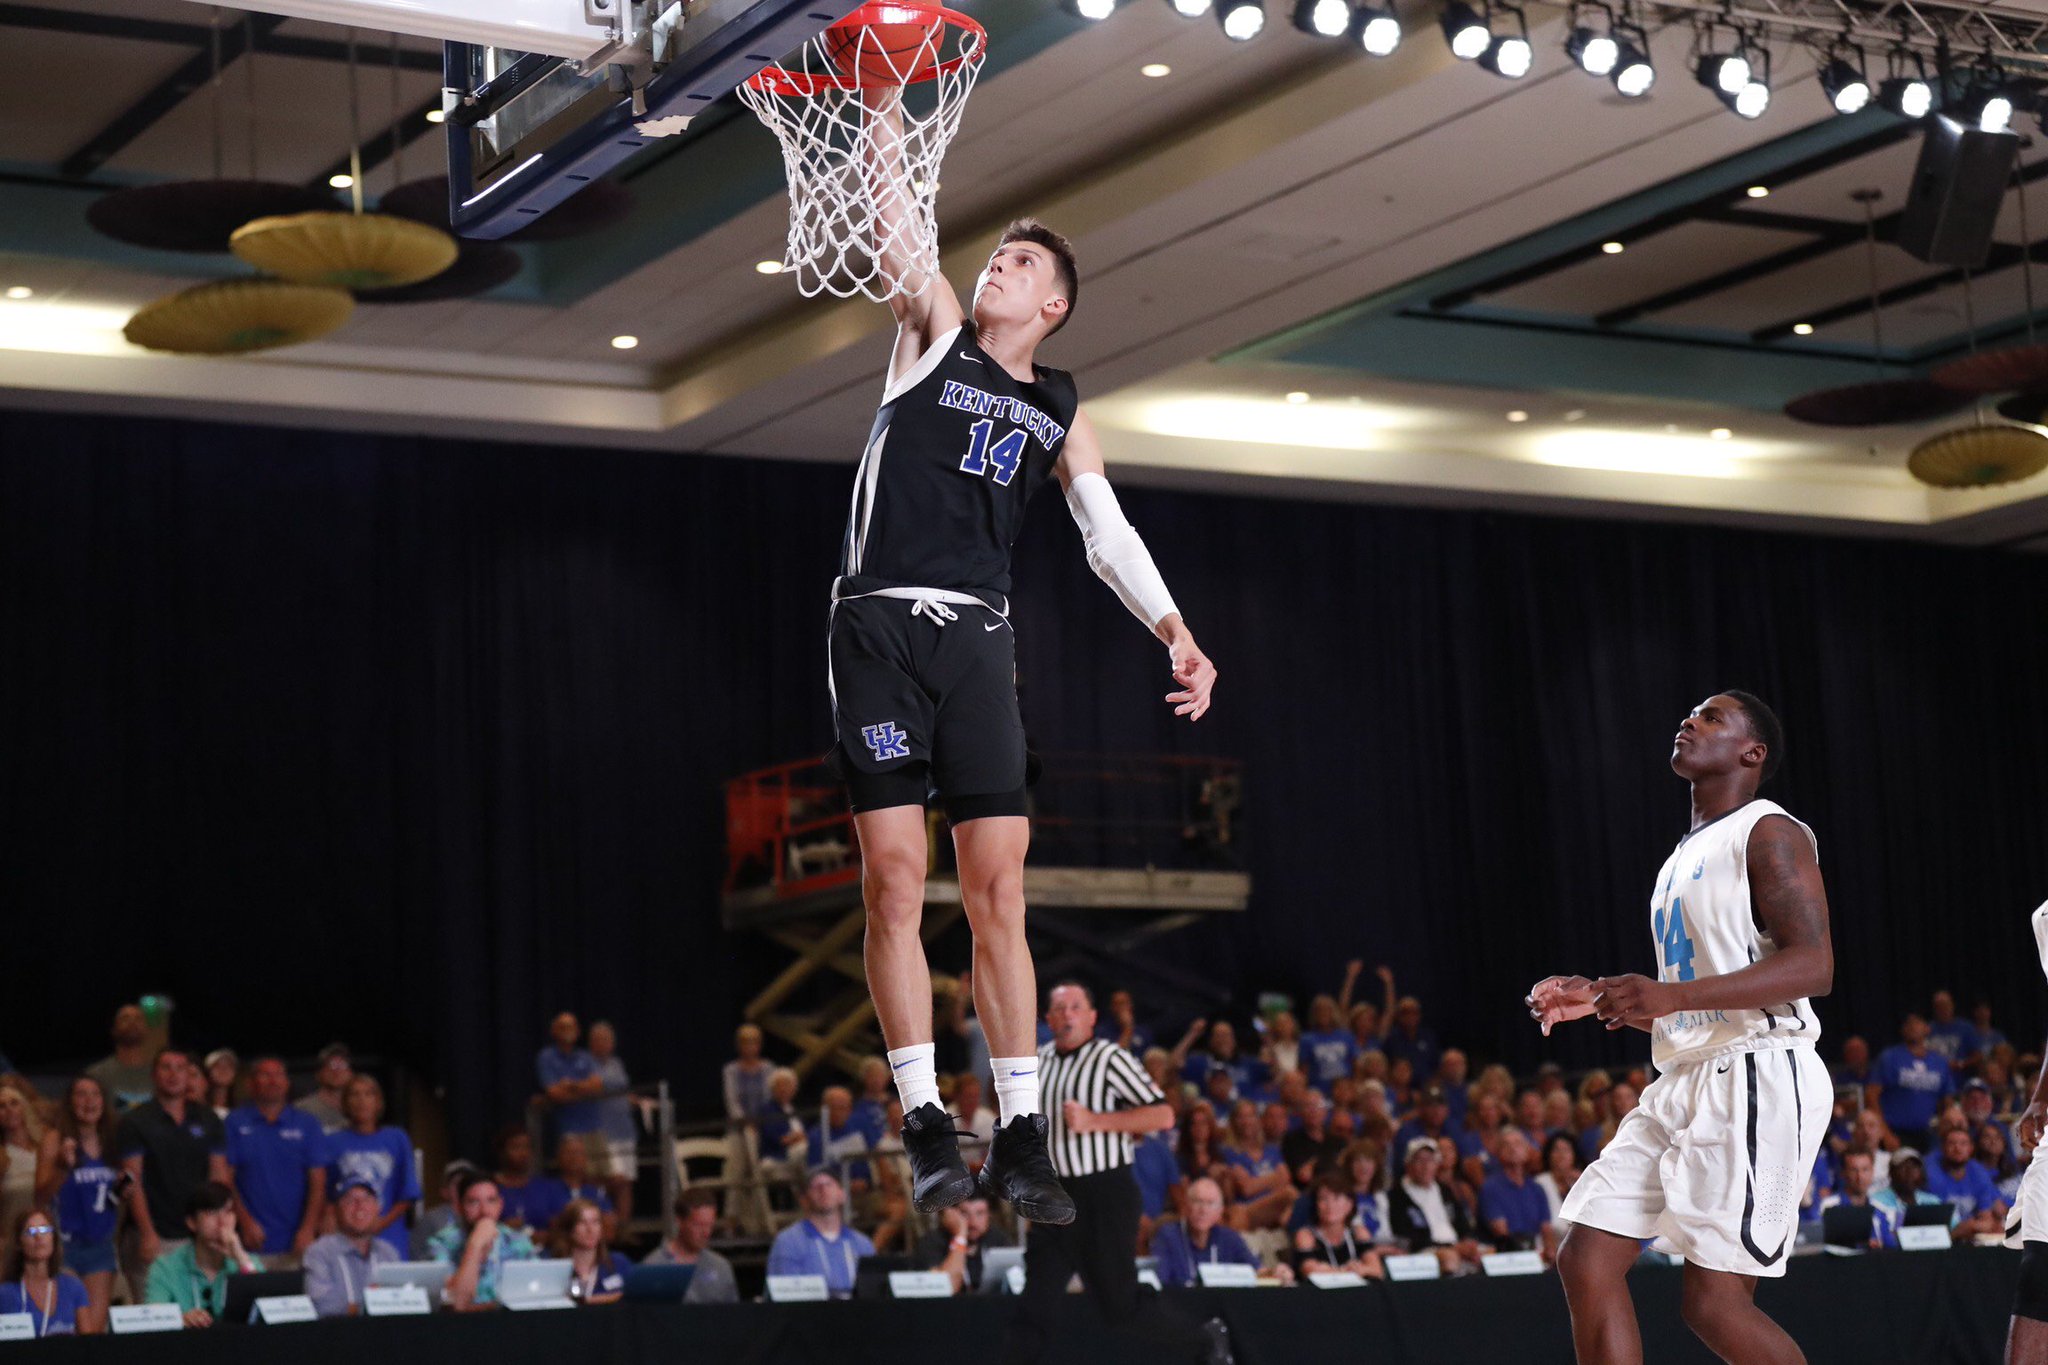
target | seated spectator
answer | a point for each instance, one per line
(197, 1091)
(746, 1077)
(1201, 1239)
(80, 1184)
(1513, 1208)
(835, 1139)
(369, 1149)
(276, 1166)
(1246, 1073)
(1560, 1171)
(1978, 1109)
(33, 1280)
(1375, 1115)
(1260, 1190)
(955, 1247)
(1424, 1216)
(127, 1075)
(1488, 1120)
(1365, 1173)
(1401, 1096)
(1327, 1049)
(614, 1148)
(335, 1069)
(1868, 1131)
(972, 1117)
(550, 1194)
(223, 1069)
(2007, 1097)
(1549, 1077)
(1856, 1193)
(338, 1266)
(21, 1147)
(194, 1274)
(1955, 1039)
(1996, 1157)
(696, 1222)
(1855, 1067)
(1281, 1050)
(513, 1177)
(1411, 1040)
(820, 1243)
(781, 1127)
(1989, 1038)
(1959, 1180)
(1912, 1081)
(1200, 1150)
(1369, 1022)
(1220, 1093)
(429, 1224)
(1529, 1115)
(1907, 1190)
(1312, 1149)
(478, 1244)
(169, 1149)
(597, 1274)
(1158, 1064)
(1432, 1119)
(1451, 1072)
(1496, 1080)
(1335, 1240)
(876, 1089)
(1120, 1024)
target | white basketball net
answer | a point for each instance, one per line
(862, 154)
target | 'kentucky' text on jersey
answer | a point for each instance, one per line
(958, 448)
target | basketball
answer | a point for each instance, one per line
(893, 53)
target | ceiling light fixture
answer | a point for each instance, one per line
(1633, 74)
(1154, 70)
(1612, 248)
(1378, 31)
(625, 343)
(341, 181)
(1906, 91)
(1298, 396)
(1190, 9)
(1593, 46)
(1843, 81)
(1802, 329)
(20, 291)
(1242, 20)
(1758, 191)
(1094, 11)
(1509, 53)
(1323, 18)
(1466, 30)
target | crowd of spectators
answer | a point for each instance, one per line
(157, 1175)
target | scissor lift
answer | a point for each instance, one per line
(1125, 849)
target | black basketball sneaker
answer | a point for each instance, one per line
(1019, 1169)
(939, 1178)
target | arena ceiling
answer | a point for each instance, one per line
(1306, 271)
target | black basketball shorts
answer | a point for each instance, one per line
(926, 708)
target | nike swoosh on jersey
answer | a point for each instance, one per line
(997, 626)
(975, 358)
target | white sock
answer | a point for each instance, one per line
(917, 1082)
(1016, 1086)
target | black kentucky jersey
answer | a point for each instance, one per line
(957, 450)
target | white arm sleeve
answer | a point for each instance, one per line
(1115, 552)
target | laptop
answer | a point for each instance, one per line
(1847, 1225)
(244, 1290)
(430, 1276)
(659, 1283)
(1930, 1215)
(535, 1284)
(995, 1268)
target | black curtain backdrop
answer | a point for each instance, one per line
(414, 742)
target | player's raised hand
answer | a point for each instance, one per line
(1559, 999)
(1196, 675)
(1624, 1000)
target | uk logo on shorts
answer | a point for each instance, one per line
(886, 741)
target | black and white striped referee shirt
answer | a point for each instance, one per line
(1103, 1077)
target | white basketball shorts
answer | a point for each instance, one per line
(2028, 1221)
(1714, 1159)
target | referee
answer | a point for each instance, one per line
(1096, 1098)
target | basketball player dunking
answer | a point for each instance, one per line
(1714, 1158)
(923, 658)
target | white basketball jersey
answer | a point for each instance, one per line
(2041, 935)
(1704, 924)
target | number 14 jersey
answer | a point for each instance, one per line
(958, 448)
(1704, 924)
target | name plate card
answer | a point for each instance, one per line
(919, 1284)
(797, 1289)
(17, 1327)
(1924, 1237)
(1148, 1278)
(284, 1308)
(1424, 1266)
(1513, 1263)
(1232, 1276)
(1015, 1279)
(145, 1317)
(395, 1301)
(1337, 1279)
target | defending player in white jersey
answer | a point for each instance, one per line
(1714, 1157)
(2027, 1227)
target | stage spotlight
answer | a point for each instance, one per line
(1723, 73)
(1378, 31)
(1848, 89)
(1750, 101)
(1323, 18)
(1595, 52)
(1466, 31)
(1242, 20)
(1095, 11)
(1509, 53)
(1633, 74)
(1190, 9)
(1985, 107)
(1909, 96)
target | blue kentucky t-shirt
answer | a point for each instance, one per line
(385, 1159)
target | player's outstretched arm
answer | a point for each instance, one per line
(1121, 560)
(1785, 888)
(925, 305)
